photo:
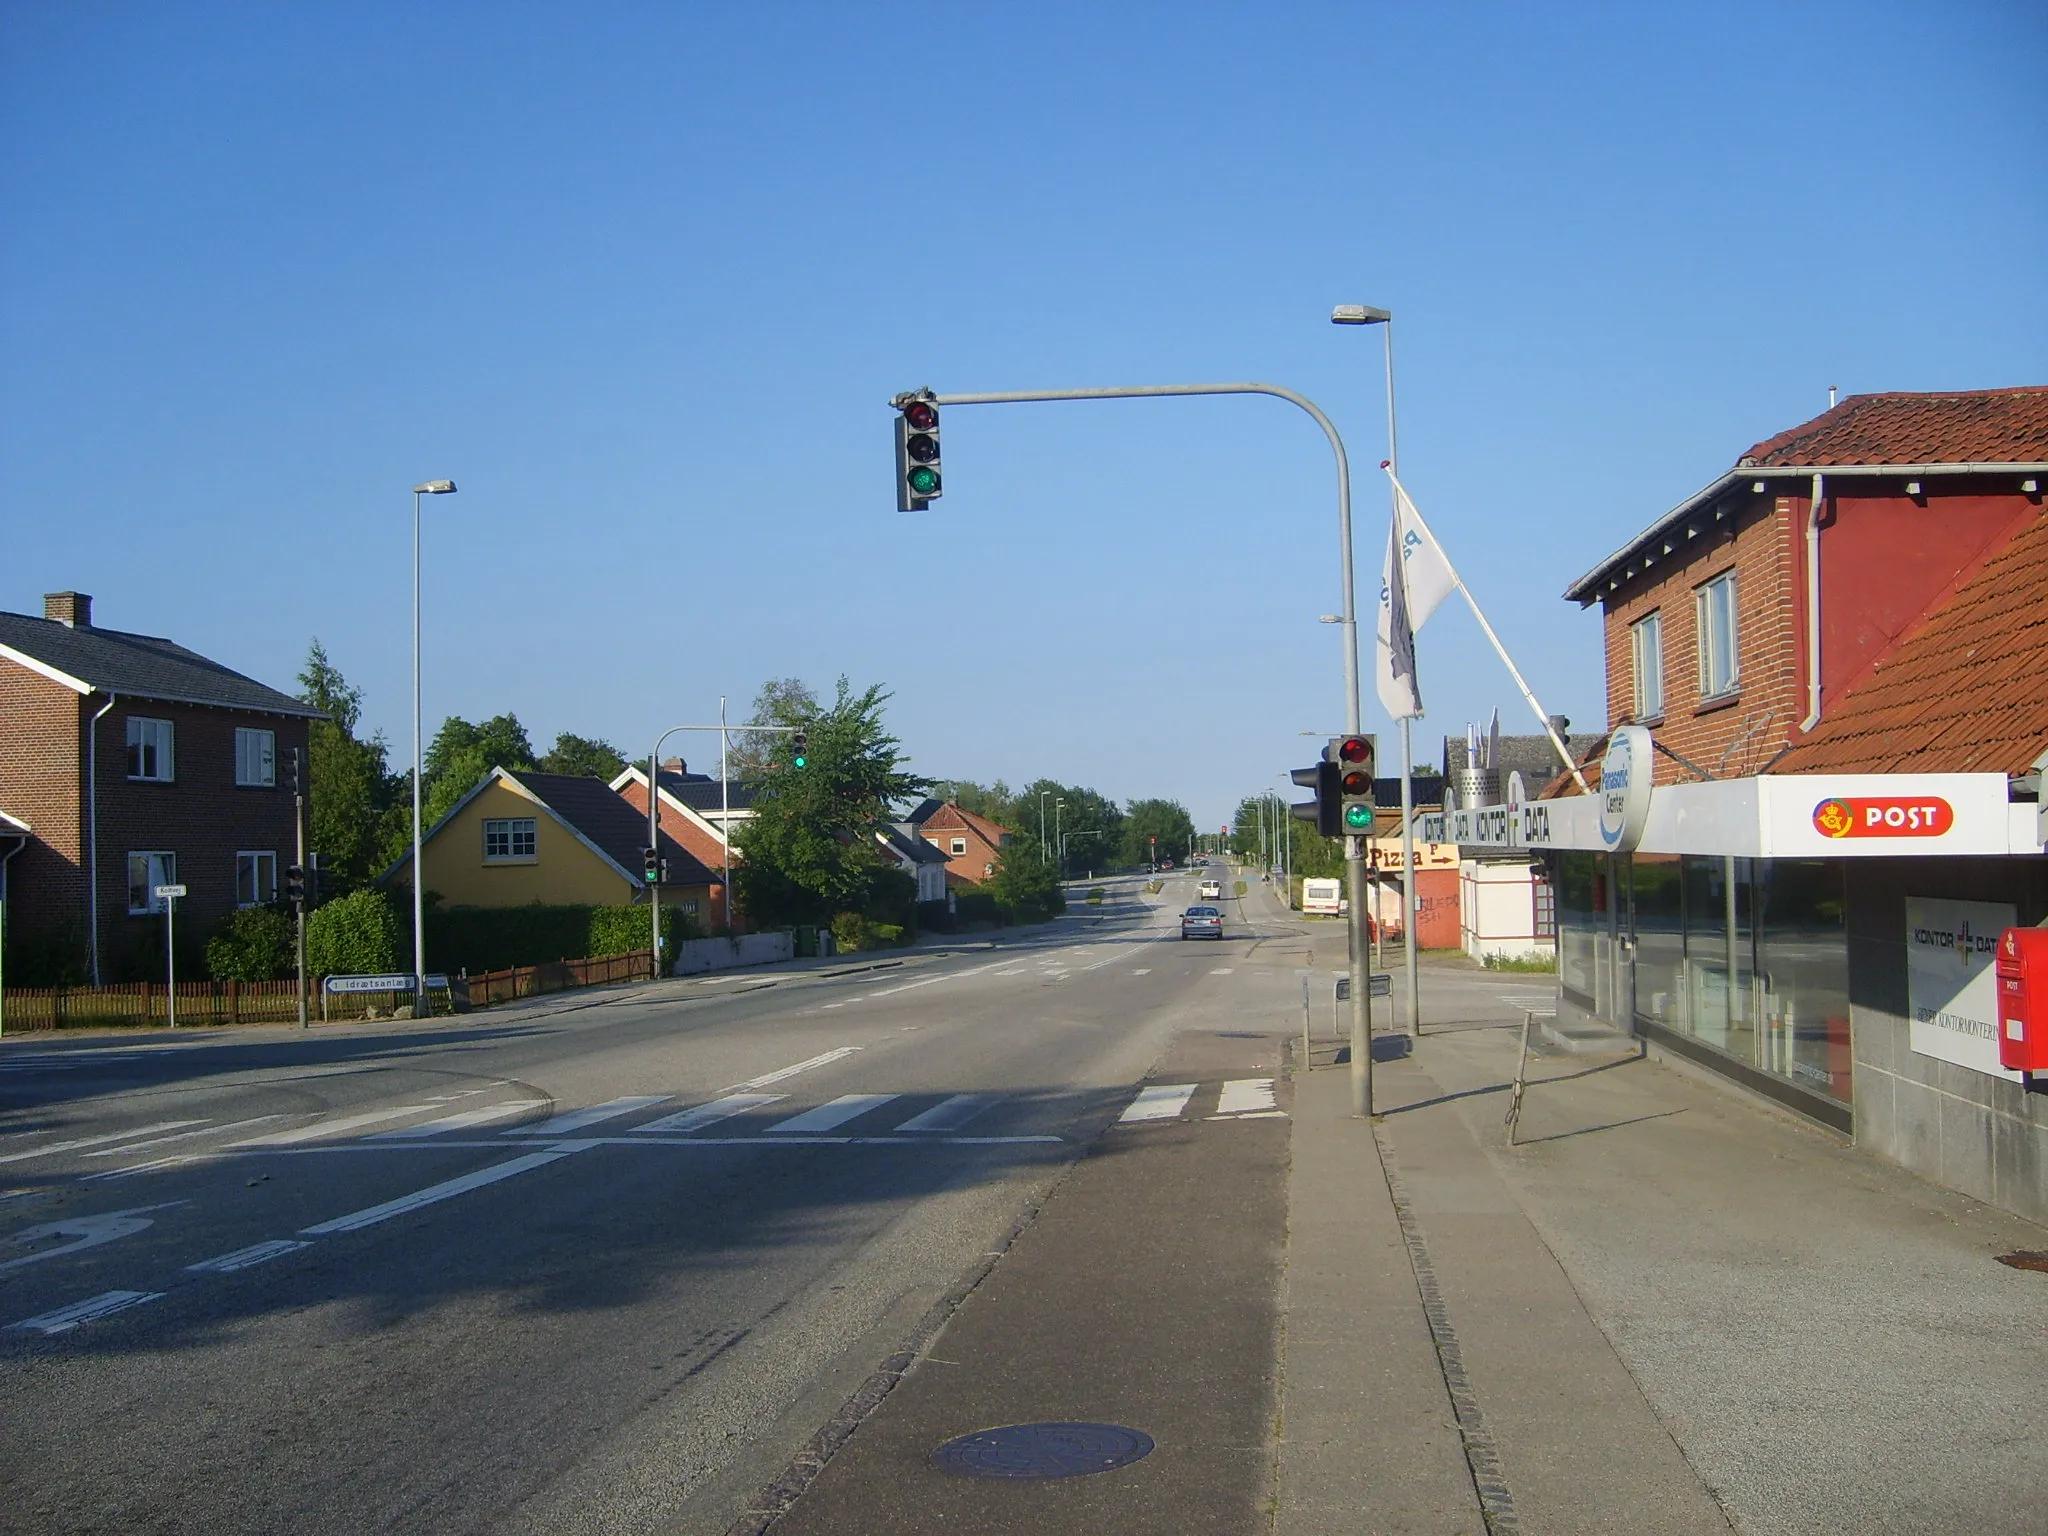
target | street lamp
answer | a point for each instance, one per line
(419, 898)
(1365, 314)
(1044, 853)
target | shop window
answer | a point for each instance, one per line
(1802, 962)
(147, 871)
(255, 879)
(510, 840)
(1720, 673)
(1646, 650)
(1656, 882)
(150, 754)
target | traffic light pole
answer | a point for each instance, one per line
(1360, 949)
(299, 858)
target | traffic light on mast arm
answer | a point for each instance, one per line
(1323, 811)
(1355, 756)
(800, 750)
(918, 482)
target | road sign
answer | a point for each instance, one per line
(380, 983)
(1382, 986)
(164, 891)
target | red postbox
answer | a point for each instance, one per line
(2023, 1000)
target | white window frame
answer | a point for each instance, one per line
(521, 840)
(1646, 659)
(958, 847)
(1716, 610)
(255, 757)
(160, 868)
(152, 750)
(260, 890)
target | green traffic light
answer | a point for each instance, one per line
(801, 761)
(924, 480)
(1358, 817)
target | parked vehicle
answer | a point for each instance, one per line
(1201, 923)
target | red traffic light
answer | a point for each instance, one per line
(1356, 783)
(922, 415)
(1354, 749)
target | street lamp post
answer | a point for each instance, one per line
(1044, 852)
(419, 884)
(1365, 314)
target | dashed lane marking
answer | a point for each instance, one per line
(1143, 970)
(821, 1059)
(246, 1258)
(64, 1319)
(332, 1127)
(1158, 1101)
(434, 1194)
(205, 1130)
(1221, 970)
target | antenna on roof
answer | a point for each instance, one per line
(1831, 396)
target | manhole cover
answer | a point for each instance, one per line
(1042, 1450)
(2025, 1259)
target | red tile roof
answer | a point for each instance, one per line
(1981, 426)
(1966, 692)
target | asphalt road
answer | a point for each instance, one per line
(636, 1266)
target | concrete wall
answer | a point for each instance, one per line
(1497, 911)
(698, 955)
(1965, 1129)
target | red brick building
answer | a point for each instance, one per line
(698, 834)
(973, 845)
(135, 762)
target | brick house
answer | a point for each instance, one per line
(136, 762)
(699, 834)
(973, 845)
(1853, 620)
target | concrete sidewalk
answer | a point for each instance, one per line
(1666, 1310)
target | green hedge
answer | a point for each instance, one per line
(495, 938)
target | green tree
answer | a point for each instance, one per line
(1161, 825)
(462, 755)
(350, 790)
(994, 801)
(1025, 883)
(587, 757)
(781, 701)
(809, 850)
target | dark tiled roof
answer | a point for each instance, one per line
(1977, 426)
(923, 811)
(1533, 757)
(142, 666)
(1966, 692)
(601, 814)
(913, 848)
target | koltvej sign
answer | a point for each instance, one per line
(393, 983)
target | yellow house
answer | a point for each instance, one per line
(524, 837)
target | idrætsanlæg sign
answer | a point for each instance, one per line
(1951, 986)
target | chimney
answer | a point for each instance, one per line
(71, 609)
(674, 765)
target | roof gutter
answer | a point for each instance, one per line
(1588, 588)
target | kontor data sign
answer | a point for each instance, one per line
(1625, 775)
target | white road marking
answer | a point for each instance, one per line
(1143, 970)
(575, 1120)
(463, 1120)
(331, 1127)
(210, 1130)
(811, 1141)
(950, 1114)
(819, 1060)
(246, 1258)
(1158, 1101)
(1221, 970)
(1015, 970)
(434, 1194)
(827, 1116)
(148, 1167)
(828, 1005)
(1257, 1114)
(85, 1231)
(55, 1147)
(64, 1319)
(710, 1114)
(906, 987)
(1241, 1096)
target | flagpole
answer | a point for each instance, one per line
(1563, 752)
(1407, 752)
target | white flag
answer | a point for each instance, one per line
(1416, 579)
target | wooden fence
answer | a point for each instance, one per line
(144, 1003)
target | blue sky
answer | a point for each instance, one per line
(642, 279)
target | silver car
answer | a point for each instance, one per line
(1201, 923)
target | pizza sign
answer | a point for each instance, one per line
(1886, 816)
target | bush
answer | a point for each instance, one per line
(355, 935)
(972, 907)
(254, 944)
(46, 957)
(852, 932)
(1528, 964)
(891, 933)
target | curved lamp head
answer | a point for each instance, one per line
(434, 488)
(1359, 314)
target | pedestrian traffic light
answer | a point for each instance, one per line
(295, 885)
(1354, 755)
(650, 865)
(799, 750)
(918, 483)
(1321, 781)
